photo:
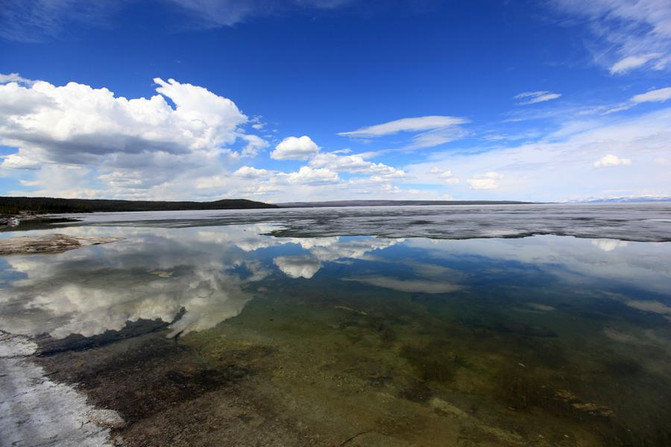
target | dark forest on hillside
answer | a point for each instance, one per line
(44, 205)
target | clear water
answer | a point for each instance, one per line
(364, 334)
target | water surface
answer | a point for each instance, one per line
(343, 327)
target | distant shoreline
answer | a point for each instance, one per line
(30, 207)
(16, 206)
(343, 203)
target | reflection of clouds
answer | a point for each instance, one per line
(428, 278)
(298, 266)
(350, 249)
(407, 285)
(608, 244)
(329, 249)
(90, 290)
(654, 307)
(540, 307)
(639, 264)
(153, 273)
(435, 272)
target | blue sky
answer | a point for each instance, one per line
(336, 99)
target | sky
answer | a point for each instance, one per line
(291, 100)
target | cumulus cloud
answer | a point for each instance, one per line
(173, 144)
(295, 148)
(353, 164)
(488, 180)
(527, 98)
(309, 175)
(252, 173)
(611, 160)
(78, 141)
(78, 124)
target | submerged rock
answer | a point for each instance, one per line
(106, 418)
(49, 243)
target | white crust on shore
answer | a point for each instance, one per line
(49, 243)
(35, 411)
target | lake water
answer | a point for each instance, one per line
(540, 325)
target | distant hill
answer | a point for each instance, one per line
(340, 203)
(631, 200)
(46, 205)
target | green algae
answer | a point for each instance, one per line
(332, 351)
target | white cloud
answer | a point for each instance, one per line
(295, 148)
(214, 13)
(37, 20)
(609, 244)
(631, 62)
(561, 166)
(444, 175)
(254, 144)
(353, 164)
(429, 131)
(421, 123)
(14, 77)
(436, 137)
(631, 34)
(251, 172)
(407, 285)
(611, 160)
(489, 180)
(659, 95)
(536, 97)
(77, 124)
(308, 175)
(303, 266)
(172, 145)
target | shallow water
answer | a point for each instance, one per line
(226, 329)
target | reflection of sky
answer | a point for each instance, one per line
(153, 273)
(212, 272)
(643, 265)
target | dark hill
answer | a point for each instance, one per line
(44, 205)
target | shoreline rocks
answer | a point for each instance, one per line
(49, 243)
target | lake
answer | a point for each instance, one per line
(506, 325)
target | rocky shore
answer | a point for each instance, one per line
(48, 243)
